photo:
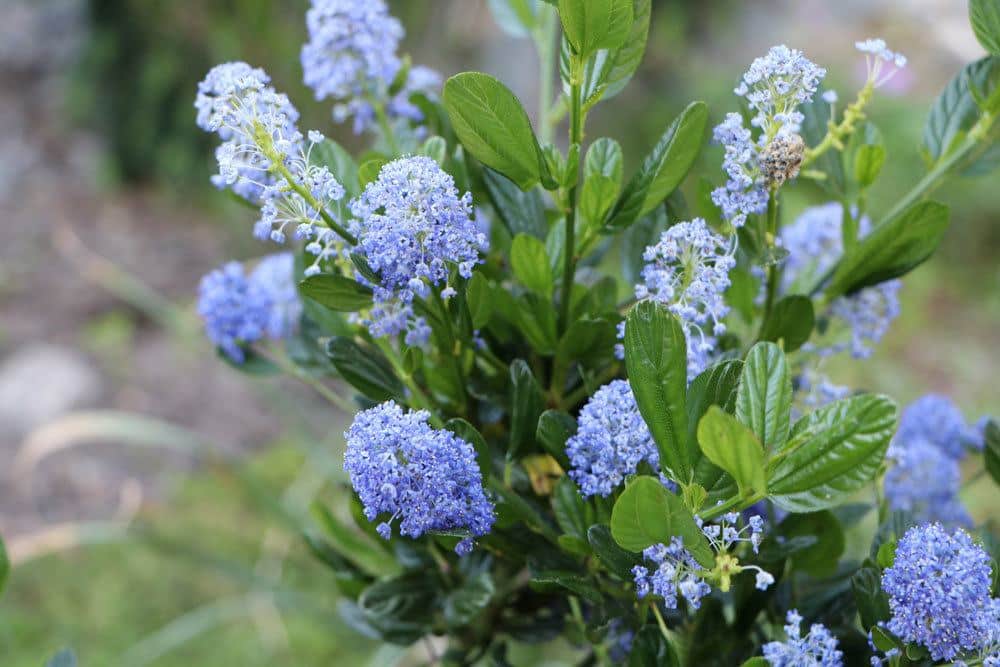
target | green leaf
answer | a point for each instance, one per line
(892, 249)
(537, 322)
(791, 322)
(872, 602)
(596, 199)
(493, 126)
(589, 342)
(4, 565)
(613, 557)
(734, 448)
(520, 212)
(353, 546)
(530, 264)
(517, 18)
(820, 559)
(985, 18)
(364, 368)
(955, 111)
(468, 432)
(573, 514)
(463, 604)
(334, 157)
(664, 168)
(368, 172)
(480, 303)
(525, 407)
(337, 293)
(607, 72)
(647, 513)
(572, 582)
(591, 25)
(650, 647)
(554, 429)
(715, 386)
(832, 453)
(868, 161)
(756, 662)
(436, 148)
(991, 450)
(656, 360)
(401, 608)
(604, 158)
(764, 399)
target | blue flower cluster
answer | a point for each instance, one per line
(237, 102)
(240, 309)
(814, 243)
(351, 57)
(676, 570)
(688, 271)
(744, 193)
(925, 476)
(611, 441)
(775, 85)
(817, 649)
(939, 592)
(412, 227)
(401, 468)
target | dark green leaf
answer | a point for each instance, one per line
(764, 399)
(715, 386)
(479, 300)
(536, 322)
(636, 238)
(991, 450)
(985, 18)
(572, 582)
(734, 448)
(520, 212)
(591, 25)
(832, 453)
(756, 662)
(530, 264)
(892, 249)
(656, 359)
(464, 604)
(337, 293)
(664, 168)
(586, 341)
(401, 608)
(573, 514)
(650, 647)
(554, 429)
(364, 368)
(525, 407)
(647, 513)
(468, 432)
(617, 560)
(493, 127)
(819, 560)
(791, 322)
(872, 603)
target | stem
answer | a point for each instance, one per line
(454, 348)
(660, 622)
(386, 127)
(772, 269)
(418, 399)
(279, 359)
(736, 501)
(576, 121)
(545, 38)
(837, 133)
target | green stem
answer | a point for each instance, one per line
(575, 137)
(383, 123)
(418, 399)
(453, 349)
(660, 622)
(772, 269)
(279, 359)
(836, 134)
(740, 502)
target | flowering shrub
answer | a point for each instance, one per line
(655, 469)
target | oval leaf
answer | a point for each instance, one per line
(591, 25)
(764, 399)
(530, 264)
(791, 322)
(985, 18)
(338, 293)
(731, 446)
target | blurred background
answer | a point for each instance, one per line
(149, 494)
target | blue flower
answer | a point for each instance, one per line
(239, 310)
(351, 57)
(925, 481)
(775, 85)
(611, 441)
(939, 591)
(428, 479)
(744, 193)
(688, 271)
(936, 419)
(817, 649)
(882, 63)
(413, 229)
(814, 244)
(674, 570)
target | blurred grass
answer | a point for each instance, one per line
(104, 599)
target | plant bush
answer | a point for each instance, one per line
(589, 407)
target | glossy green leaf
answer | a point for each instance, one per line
(574, 583)
(364, 368)
(764, 399)
(791, 322)
(604, 158)
(463, 604)
(401, 608)
(872, 602)
(530, 264)
(892, 249)
(868, 162)
(955, 110)
(336, 292)
(596, 199)
(664, 168)
(526, 406)
(493, 127)
(536, 322)
(716, 385)
(554, 429)
(520, 212)
(647, 513)
(656, 359)
(613, 557)
(591, 25)
(991, 450)
(985, 18)
(479, 300)
(820, 559)
(468, 432)
(832, 453)
(733, 447)
(573, 514)
(607, 72)
(589, 342)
